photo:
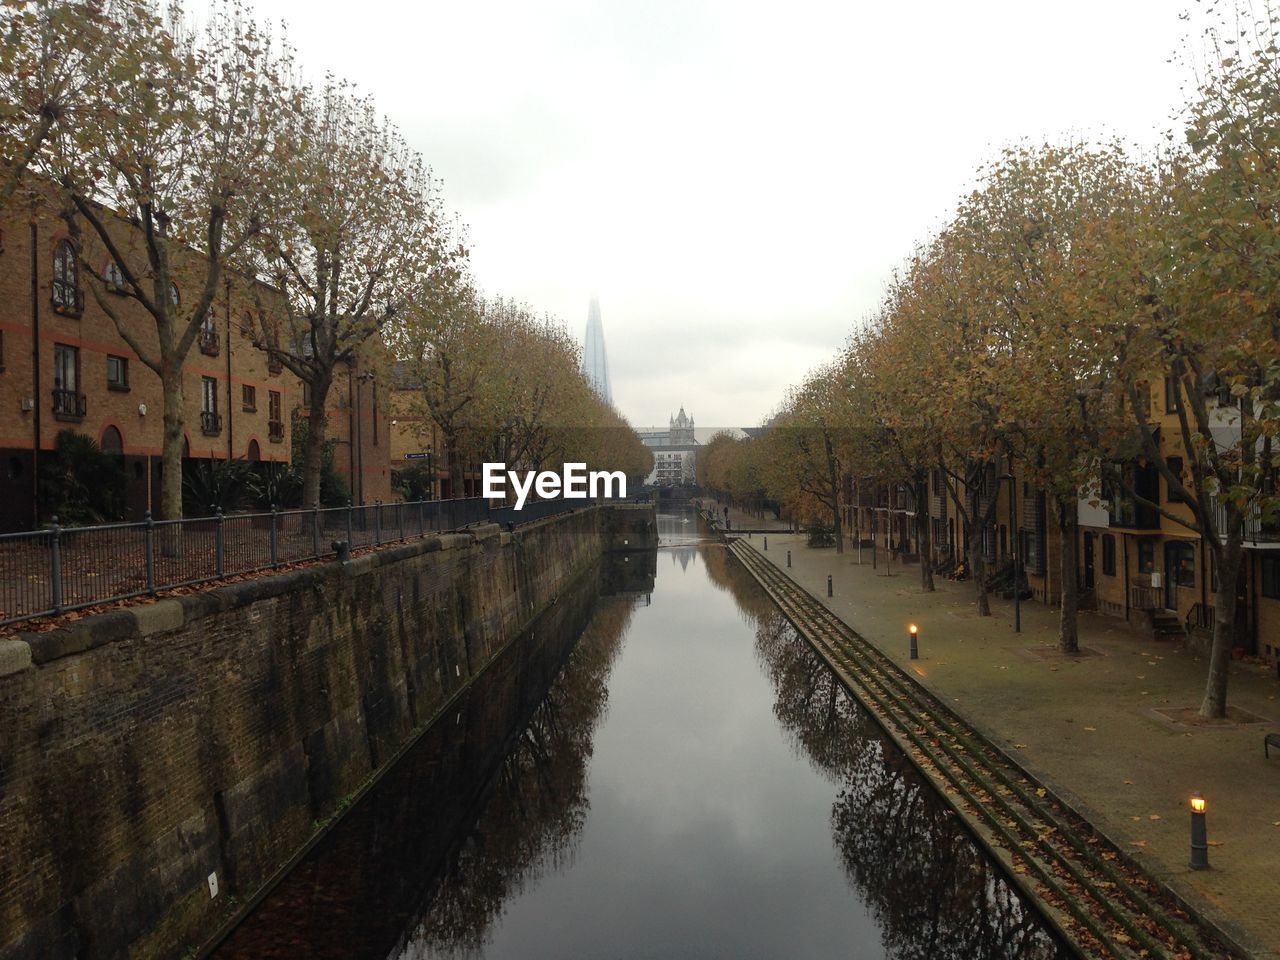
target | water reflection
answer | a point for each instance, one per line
(532, 822)
(934, 894)
(411, 866)
(681, 798)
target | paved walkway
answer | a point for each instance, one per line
(742, 520)
(1089, 726)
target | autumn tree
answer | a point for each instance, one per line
(60, 61)
(355, 237)
(183, 156)
(1047, 212)
(1197, 291)
(805, 445)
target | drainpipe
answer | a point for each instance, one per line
(35, 375)
(231, 447)
(351, 430)
(1125, 540)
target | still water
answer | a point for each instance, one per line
(668, 772)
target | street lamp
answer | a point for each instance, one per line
(1199, 834)
(915, 632)
(1013, 546)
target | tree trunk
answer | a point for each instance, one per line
(1068, 614)
(1214, 705)
(978, 568)
(313, 449)
(453, 459)
(835, 513)
(172, 443)
(925, 536)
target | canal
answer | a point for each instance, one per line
(666, 771)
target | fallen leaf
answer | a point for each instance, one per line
(1215, 843)
(1092, 729)
(1154, 816)
(1040, 792)
(1129, 782)
(1137, 843)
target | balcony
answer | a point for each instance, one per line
(69, 405)
(275, 431)
(209, 341)
(1257, 528)
(210, 423)
(68, 303)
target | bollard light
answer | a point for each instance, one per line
(1199, 834)
(788, 558)
(914, 631)
(766, 543)
(829, 585)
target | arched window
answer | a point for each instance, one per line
(175, 298)
(254, 453)
(66, 277)
(114, 277)
(112, 442)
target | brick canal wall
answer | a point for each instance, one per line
(146, 748)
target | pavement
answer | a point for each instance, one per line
(742, 520)
(1089, 726)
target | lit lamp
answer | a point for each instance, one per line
(914, 631)
(1199, 835)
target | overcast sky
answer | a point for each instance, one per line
(733, 180)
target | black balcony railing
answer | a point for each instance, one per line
(209, 341)
(210, 423)
(275, 430)
(68, 403)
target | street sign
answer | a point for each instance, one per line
(417, 456)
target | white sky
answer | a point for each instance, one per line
(733, 180)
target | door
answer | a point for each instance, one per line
(1088, 561)
(1179, 570)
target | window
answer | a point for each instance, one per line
(249, 398)
(68, 401)
(246, 326)
(1108, 555)
(275, 423)
(208, 338)
(175, 299)
(210, 422)
(117, 373)
(1271, 578)
(1171, 392)
(306, 394)
(1146, 556)
(114, 277)
(66, 278)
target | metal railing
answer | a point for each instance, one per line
(56, 569)
(68, 403)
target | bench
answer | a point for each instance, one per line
(1269, 741)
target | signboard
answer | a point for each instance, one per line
(417, 456)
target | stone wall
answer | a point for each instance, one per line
(147, 748)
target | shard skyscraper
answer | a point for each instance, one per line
(595, 362)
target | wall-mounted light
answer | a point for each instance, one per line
(142, 409)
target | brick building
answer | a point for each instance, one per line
(1135, 562)
(64, 365)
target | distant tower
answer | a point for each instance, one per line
(595, 363)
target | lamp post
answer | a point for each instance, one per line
(1017, 553)
(1199, 834)
(914, 631)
